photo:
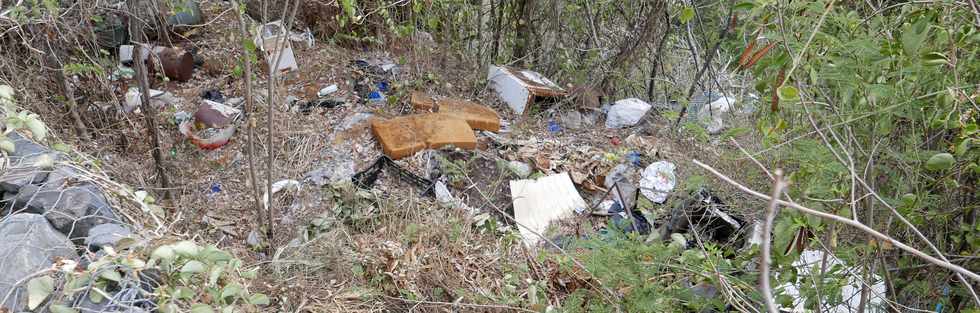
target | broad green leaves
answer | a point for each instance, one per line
(38, 289)
(940, 162)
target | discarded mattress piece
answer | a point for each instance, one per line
(808, 267)
(519, 88)
(273, 39)
(478, 116)
(405, 135)
(538, 202)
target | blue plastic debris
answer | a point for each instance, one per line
(215, 188)
(376, 96)
(553, 127)
(383, 86)
(633, 157)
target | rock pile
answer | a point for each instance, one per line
(49, 212)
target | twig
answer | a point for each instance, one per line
(249, 120)
(149, 112)
(843, 220)
(764, 287)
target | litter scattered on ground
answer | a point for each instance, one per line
(158, 99)
(538, 202)
(326, 91)
(626, 113)
(713, 115)
(707, 214)
(809, 266)
(213, 95)
(280, 186)
(271, 38)
(446, 199)
(520, 88)
(367, 177)
(212, 126)
(658, 181)
(339, 168)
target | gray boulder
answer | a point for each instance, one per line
(72, 209)
(14, 179)
(29, 245)
(25, 150)
(106, 235)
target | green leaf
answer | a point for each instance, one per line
(39, 289)
(963, 147)
(935, 58)
(58, 308)
(747, 5)
(111, 274)
(686, 14)
(6, 144)
(201, 308)
(186, 249)
(231, 290)
(183, 293)
(940, 161)
(164, 252)
(6, 95)
(36, 127)
(788, 93)
(258, 299)
(193, 266)
(215, 274)
(914, 35)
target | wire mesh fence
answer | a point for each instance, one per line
(57, 225)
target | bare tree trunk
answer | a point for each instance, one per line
(149, 112)
(497, 7)
(659, 57)
(627, 49)
(522, 39)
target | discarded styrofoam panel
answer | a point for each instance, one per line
(518, 88)
(272, 36)
(809, 265)
(538, 202)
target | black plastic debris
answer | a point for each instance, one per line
(328, 103)
(706, 214)
(369, 176)
(213, 95)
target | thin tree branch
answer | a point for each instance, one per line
(771, 212)
(844, 220)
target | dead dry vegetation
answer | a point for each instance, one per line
(392, 246)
